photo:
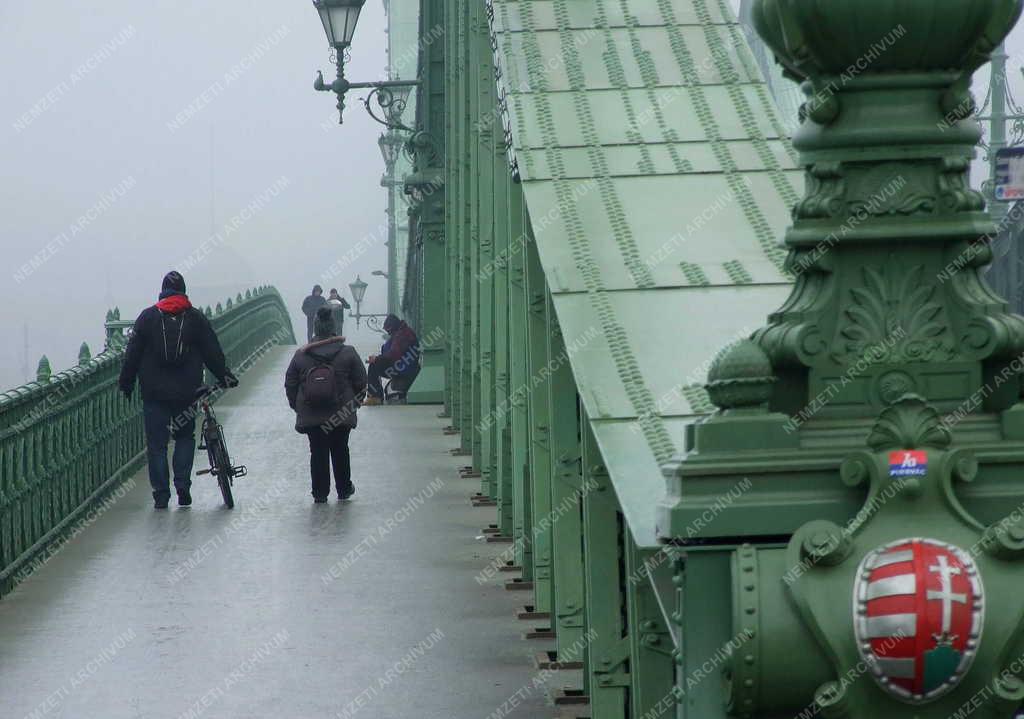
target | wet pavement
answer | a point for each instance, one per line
(278, 608)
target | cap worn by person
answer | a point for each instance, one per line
(391, 323)
(174, 282)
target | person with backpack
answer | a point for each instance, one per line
(325, 383)
(170, 343)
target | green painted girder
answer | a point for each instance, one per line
(651, 648)
(428, 219)
(509, 207)
(518, 408)
(539, 429)
(606, 667)
(659, 179)
(566, 498)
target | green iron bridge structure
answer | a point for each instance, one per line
(709, 375)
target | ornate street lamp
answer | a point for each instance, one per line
(390, 144)
(358, 291)
(373, 321)
(339, 18)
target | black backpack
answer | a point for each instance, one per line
(319, 384)
(175, 348)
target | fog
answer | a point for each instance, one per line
(141, 137)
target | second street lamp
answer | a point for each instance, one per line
(373, 321)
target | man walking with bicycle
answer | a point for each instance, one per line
(169, 345)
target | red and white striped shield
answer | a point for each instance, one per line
(918, 611)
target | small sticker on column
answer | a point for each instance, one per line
(908, 463)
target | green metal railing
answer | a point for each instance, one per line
(68, 439)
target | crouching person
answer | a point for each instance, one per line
(325, 383)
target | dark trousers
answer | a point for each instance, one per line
(309, 328)
(327, 449)
(162, 420)
(380, 367)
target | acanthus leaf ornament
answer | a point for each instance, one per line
(895, 317)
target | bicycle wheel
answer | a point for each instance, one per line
(224, 471)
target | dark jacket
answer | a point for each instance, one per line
(144, 356)
(402, 350)
(350, 380)
(311, 304)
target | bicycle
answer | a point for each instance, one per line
(216, 448)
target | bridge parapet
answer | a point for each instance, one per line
(68, 439)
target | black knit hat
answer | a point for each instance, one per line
(391, 323)
(323, 323)
(173, 281)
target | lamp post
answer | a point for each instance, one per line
(373, 321)
(339, 18)
(390, 144)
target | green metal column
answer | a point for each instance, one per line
(484, 275)
(651, 665)
(517, 396)
(476, 350)
(566, 486)
(429, 213)
(465, 198)
(506, 208)
(537, 392)
(606, 674)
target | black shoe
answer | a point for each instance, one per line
(346, 495)
(184, 498)
(160, 502)
(319, 500)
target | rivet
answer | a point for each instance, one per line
(748, 683)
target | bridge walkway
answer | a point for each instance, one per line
(278, 608)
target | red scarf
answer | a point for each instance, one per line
(175, 304)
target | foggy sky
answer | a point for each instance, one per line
(134, 136)
(109, 114)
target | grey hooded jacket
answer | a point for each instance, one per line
(350, 380)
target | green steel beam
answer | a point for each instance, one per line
(566, 486)
(475, 34)
(428, 214)
(606, 673)
(537, 392)
(508, 207)
(652, 669)
(483, 276)
(521, 518)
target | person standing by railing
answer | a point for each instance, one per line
(170, 343)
